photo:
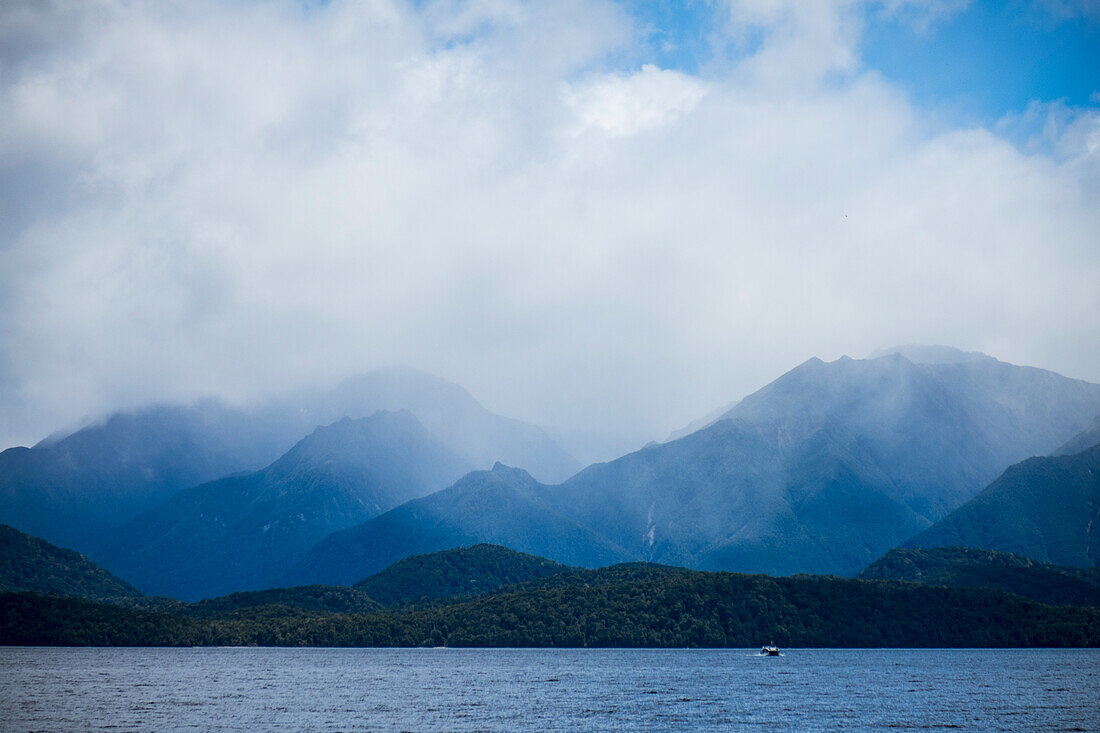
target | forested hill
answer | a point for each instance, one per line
(31, 564)
(1043, 508)
(466, 571)
(973, 568)
(822, 471)
(622, 606)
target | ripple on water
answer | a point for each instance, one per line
(417, 689)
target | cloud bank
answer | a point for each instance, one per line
(236, 198)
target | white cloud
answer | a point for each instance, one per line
(1054, 127)
(922, 14)
(231, 198)
(626, 104)
(802, 41)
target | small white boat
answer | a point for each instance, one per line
(771, 650)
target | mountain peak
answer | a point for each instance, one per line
(450, 412)
(347, 428)
(511, 473)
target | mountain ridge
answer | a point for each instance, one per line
(239, 533)
(29, 563)
(967, 567)
(823, 470)
(504, 506)
(1044, 508)
(78, 488)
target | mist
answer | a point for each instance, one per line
(241, 199)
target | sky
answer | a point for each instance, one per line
(604, 217)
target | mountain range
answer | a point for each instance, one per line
(78, 489)
(242, 532)
(445, 409)
(504, 506)
(822, 471)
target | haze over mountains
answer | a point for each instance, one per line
(446, 410)
(77, 490)
(242, 532)
(824, 470)
(1082, 441)
(504, 506)
(1044, 508)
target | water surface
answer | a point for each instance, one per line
(564, 689)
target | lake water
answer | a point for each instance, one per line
(587, 689)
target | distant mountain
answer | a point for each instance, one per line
(448, 411)
(78, 489)
(735, 496)
(823, 470)
(465, 571)
(930, 354)
(31, 564)
(967, 567)
(243, 532)
(703, 422)
(1043, 508)
(505, 506)
(1082, 441)
(942, 431)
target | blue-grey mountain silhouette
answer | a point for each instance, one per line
(242, 532)
(78, 489)
(823, 470)
(1044, 508)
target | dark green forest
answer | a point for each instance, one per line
(622, 606)
(466, 571)
(30, 563)
(967, 567)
